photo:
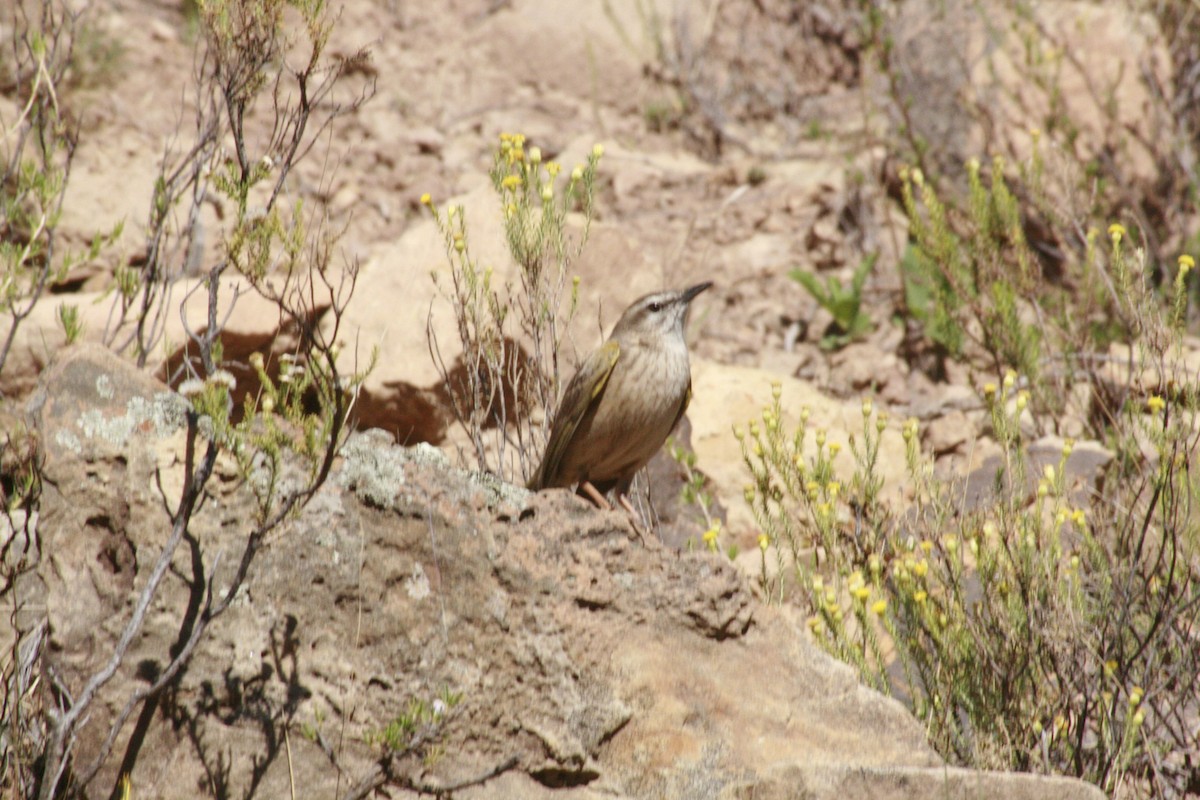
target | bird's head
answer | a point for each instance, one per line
(657, 317)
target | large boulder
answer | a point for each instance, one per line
(589, 663)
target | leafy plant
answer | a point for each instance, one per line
(844, 303)
(512, 335)
(284, 440)
(1041, 627)
(36, 154)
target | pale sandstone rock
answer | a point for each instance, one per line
(724, 396)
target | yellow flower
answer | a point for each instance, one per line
(1079, 517)
(921, 568)
(535, 155)
(1010, 379)
(1110, 668)
(763, 541)
(426, 199)
(989, 390)
(1186, 264)
(1135, 695)
(879, 606)
(834, 487)
(861, 593)
(1116, 231)
(576, 174)
(804, 412)
(926, 545)
(1138, 718)
(920, 596)
(855, 581)
(598, 150)
(776, 389)
(710, 537)
(866, 407)
(511, 181)
(834, 449)
(814, 624)
(1156, 404)
(1022, 400)
(547, 193)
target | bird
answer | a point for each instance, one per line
(623, 401)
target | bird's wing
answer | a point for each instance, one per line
(587, 384)
(683, 406)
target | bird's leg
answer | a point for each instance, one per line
(634, 517)
(594, 495)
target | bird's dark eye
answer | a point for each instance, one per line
(655, 307)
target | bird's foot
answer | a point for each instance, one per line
(634, 517)
(594, 495)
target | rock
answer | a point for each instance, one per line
(863, 367)
(724, 396)
(1082, 472)
(251, 323)
(584, 662)
(947, 433)
(980, 55)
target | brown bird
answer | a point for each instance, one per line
(623, 402)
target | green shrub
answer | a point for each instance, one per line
(512, 335)
(1044, 626)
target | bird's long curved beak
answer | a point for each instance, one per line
(689, 294)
